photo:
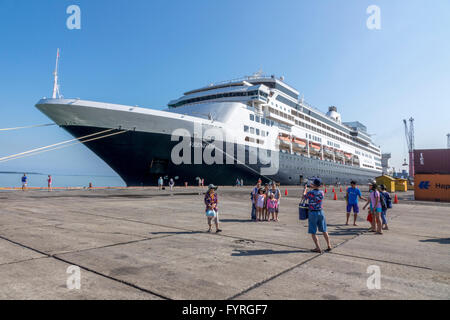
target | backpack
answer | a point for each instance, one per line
(387, 198)
(383, 201)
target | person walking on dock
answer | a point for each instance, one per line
(212, 212)
(375, 209)
(253, 195)
(24, 182)
(171, 184)
(316, 217)
(353, 193)
(388, 201)
(49, 183)
(160, 183)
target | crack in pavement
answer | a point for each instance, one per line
(86, 268)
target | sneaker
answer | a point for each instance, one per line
(218, 230)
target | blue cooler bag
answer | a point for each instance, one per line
(210, 213)
(303, 211)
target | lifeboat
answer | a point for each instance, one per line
(284, 140)
(299, 143)
(349, 156)
(315, 147)
(328, 150)
(340, 153)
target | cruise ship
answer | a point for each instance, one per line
(255, 127)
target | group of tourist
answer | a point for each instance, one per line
(161, 183)
(24, 181)
(379, 200)
(266, 201)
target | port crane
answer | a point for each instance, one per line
(409, 134)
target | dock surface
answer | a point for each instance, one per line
(152, 244)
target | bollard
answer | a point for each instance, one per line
(333, 190)
(285, 192)
(395, 199)
(325, 191)
(335, 197)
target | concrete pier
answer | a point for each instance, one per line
(152, 244)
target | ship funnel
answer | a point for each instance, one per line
(332, 113)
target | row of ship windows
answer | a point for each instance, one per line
(367, 166)
(307, 126)
(281, 114)
(317, 123)
(280, 107)
(333, 144)
(300, 123)
(314, 138)
(364, 154)
(256, 131)
(261, 120)
(221, 95)
(304, 170)
(250, 139)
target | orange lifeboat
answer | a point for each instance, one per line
(315, 147)
(284, 140)
(299, 143)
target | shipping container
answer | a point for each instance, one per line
(432, 187)
(431, 161)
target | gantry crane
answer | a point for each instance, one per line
(409, 134)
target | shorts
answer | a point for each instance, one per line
(316, 220)
(354, 206)
(272, 210)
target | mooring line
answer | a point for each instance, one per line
(26, 127)
(59, 145)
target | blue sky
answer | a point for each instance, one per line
(147, 53)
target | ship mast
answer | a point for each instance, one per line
(56, 93)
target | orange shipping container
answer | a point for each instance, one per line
(432, 187)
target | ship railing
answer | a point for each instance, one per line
(253, 77)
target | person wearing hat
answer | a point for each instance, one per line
(212, 213)
(316, 217)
